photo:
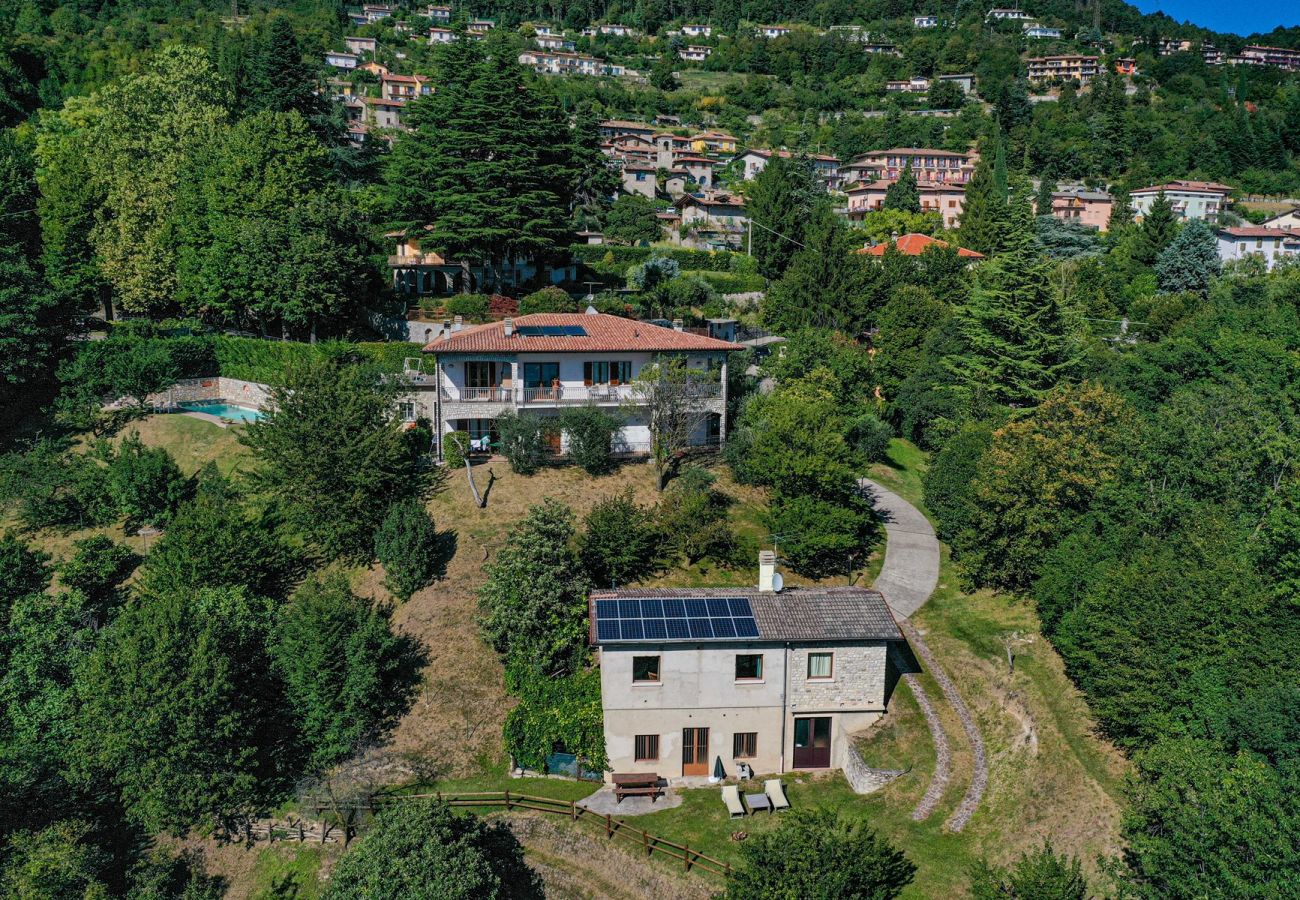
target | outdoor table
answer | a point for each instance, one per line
(755, 802)
(632, 784)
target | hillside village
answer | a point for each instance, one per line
(498, 450)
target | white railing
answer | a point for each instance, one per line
(607, 393)
(477, 394)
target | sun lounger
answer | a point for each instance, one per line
(731, 797)
(776, 793)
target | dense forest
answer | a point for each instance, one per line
(1112, 419)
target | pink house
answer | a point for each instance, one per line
(1090, 208)
(945, 199)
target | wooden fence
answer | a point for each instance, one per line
(612, 827)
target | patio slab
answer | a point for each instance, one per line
(603, 802)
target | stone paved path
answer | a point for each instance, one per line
(907, 579)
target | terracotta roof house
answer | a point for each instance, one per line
(946, 199)
(1268, 244)
(915, 245)
(543, 363)
(1190, 199)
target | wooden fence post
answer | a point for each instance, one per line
(573, 810)
(609, 826)
(687, 856)
(507, 801)
(645, 836)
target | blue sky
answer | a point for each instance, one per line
(1244, 18)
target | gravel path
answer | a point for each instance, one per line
(907, 579)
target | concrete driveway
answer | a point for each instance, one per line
(911, 569)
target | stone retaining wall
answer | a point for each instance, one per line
(232, 390)
(864, 779)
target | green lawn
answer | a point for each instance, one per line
(287, 870)
(902, 471)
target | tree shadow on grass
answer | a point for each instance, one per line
(445, 543)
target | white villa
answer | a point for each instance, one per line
(1190, 199)
(777, 680)
(540, 364)
(1269, 244)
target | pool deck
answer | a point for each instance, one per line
(208, 417)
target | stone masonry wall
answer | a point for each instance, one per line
(864, 779)
(190, 390)
(857, 682)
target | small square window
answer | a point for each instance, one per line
(647, 748)
(821, 665)
(749, 666)
(645, 668)
(744, 745)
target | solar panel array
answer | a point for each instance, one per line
(551, 331)
(675, 619)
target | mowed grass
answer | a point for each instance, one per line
(287, 870)
(192, 442)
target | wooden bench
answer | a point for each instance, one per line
(636, 784)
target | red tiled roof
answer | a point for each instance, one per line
(1212, 187)
(915, 244)
(604, 334)
(884, 183)
(1260, 231)
(912, 151)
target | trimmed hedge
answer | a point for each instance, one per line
(251, 359)
(712, 260)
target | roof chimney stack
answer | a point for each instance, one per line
(677, 324)
(458, 323)
(509, 325)
(767, 570)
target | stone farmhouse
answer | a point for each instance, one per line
(776, 680)
(541, 364)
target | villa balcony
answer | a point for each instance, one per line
(568, 395)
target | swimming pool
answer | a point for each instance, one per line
(223, 410)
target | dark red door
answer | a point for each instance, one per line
(812, 743)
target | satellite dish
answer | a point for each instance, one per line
(777, 582)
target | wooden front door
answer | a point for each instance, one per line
(695, 751)
(812, 743)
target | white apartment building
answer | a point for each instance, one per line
(1269, 244)
(1190, 199)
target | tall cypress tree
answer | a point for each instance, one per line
(780, 202)
(903, 194)
(1046, 187)
(984, 214)
(1016, 341)
(279, 80)
(1121, 211)
(1159, 228)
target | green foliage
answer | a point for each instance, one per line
(817, 855)
(421, 848)
(1190, 261)
(179, 709)
(268, 362)
(215, 541)
(473, 307)
(620, 543)
(903, 195)
(563, 714)
(145, 482)
(656, 270)
(97, 568)
(550, 299)
(533, 605)
(826, 285)
(346, 675)
(60, 861)
(984, 217)
(455, 447)
(590, 432)
(332, 454)
(870, 437)
(23, 570)
(406, 545)
(631, 220)
(779, 202)
(1041, 875)
(692, 519)
(1158, 230)
(1060, 239)
(730, 282)
(50, 486)
(1204, 822)
(906, 321)
(524, 441)
(821, 538)
(623, 257)
(881, 225)
(949, 481)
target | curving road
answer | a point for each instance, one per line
(907, 578)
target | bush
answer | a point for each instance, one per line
(619, 542)
(590, 431)
(562, 714)
(524, 441)
(692, 519)
(455, 447)
(406, 545)
(610, 255)
(870, 437)
(549, 299)
(97, 568)
(729, 282)
(145, 482)
(821, 538)
(266, 362)
(472, 307)
(420, 848)
(653, 272)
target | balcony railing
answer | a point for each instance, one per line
(478, 395)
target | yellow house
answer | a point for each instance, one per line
(713, 142)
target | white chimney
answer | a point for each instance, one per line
(677, 324)
(767, 570)
(458, 323)
(509, 326)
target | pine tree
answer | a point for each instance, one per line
(983, 218)
(595, 183)
(780, 202)
(1017, 344)
(1190, 261)
(1121, 212)
(903, 194)
(279, 80)
(1159, 227)
(1046, 187)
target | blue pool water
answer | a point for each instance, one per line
(224, 410)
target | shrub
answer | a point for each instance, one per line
(420, 848)
(455, 446)
(729, 282)
(97, 568)
(591, 431)
(692, 518)
(548, 300)
(619, 541)
(144, 481)
(820, 537)
(406, 545)
(871, 437)
(653, 272)
(555, 713)
(524, 441)
(473, 307)
(610, 255)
